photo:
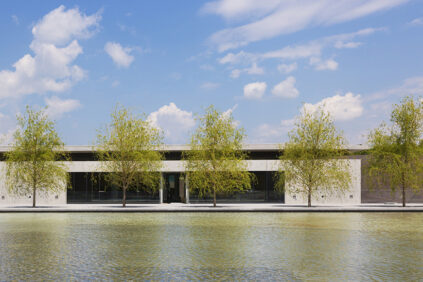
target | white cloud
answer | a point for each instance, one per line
(287, 68)
(239, 9)
(235, 73)
(255, 90)
(307, 50)
(340, 107)
(253, 70)
(268, 19)
(115, 83)
(56, 107)
(55, 48)
(286, 89)
(347, 45)
(174, 122)
(121, 56)
(410, 86)
(272, 133)
(418, 21)
(210, 85)
(238, 58)
(59, 26)
(15, 19)
(323, 65)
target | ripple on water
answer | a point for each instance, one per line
(223, 246)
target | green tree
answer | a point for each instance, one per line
(35, 163)
(396, 155)
(128, 151)
(310, 160)
(215, 163)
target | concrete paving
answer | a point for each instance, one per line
(179, 207)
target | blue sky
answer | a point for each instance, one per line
(263, 61)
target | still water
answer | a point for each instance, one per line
(219, 246)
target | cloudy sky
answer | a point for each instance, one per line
(261, 60)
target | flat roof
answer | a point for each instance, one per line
(173, 148)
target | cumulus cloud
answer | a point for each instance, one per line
(55, 48)
(341, 108)
(268, 19)
(287, 68)
(121, 56)
(57, 107)
(255, 90)
(319, 65)
(174, 122)
(286, 89)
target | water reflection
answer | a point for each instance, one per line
(221, 246)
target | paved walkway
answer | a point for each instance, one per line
(178, 207)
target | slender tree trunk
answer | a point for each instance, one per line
(403, 189)
(124, 197)
(33, 195)
(309, 198)
(403, 195)
(214, 196)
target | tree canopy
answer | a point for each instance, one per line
(215, 163)
(396, 155)
(35, 162)
(310, 159)
(128, 150)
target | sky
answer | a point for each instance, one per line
(263, 61)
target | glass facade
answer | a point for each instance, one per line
(262, 190)
(92, 187)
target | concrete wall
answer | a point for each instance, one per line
(8, 199)
(178, 166)
(350, 197)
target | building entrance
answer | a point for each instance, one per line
(174, 188)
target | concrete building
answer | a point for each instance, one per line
(87, 184)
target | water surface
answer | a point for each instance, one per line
(222, 246)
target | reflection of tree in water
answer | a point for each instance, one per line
(220, 246)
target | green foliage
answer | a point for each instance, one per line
(396, 155)
(310, 160)
(35, 161)
(215, 163)
(128, 150)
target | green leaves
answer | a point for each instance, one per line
(35, 161)
(311, 158)
(396, 155)
(215, 161)
(128, 149)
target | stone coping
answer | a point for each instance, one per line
(204, 207)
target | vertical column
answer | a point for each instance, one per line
(186, 189)
(161, 188)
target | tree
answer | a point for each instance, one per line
(128, 151)
(396, 154)
(35, 162)
(310, 160)
(215, 163)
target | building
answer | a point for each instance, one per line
(87, 184)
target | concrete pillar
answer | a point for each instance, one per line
(186, 189)
(161, 188)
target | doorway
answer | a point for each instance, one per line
(174, 188)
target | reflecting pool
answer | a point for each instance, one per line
(219, 246)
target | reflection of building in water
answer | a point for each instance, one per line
(88, 185)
